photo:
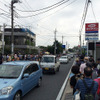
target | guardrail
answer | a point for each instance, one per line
(61, 92)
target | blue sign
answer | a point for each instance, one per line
(63, 46)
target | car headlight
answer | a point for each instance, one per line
(6, 90)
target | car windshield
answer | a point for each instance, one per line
(48, 59)
(10, 71)
(63, 57)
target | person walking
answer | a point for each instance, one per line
(75, 77)
(95, 71)
(87, 81)
(83, 65)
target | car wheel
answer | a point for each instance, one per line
(17, 96)
(39, 82)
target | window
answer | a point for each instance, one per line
(10, 71)
(31, 68)
(27, 70)
(48, 59)
(34, 67)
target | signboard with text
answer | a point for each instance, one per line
(91, 31)
(63, 46)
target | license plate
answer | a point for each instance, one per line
(46, 68)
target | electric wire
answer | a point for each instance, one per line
(44, 11)
(4, 10)
(55, 11)
(44, 8)
(93, 12)
(83, 18)
(25, 6)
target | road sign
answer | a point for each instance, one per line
(91, 27)
(91, 31)
(63, 46)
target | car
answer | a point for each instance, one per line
(72, 55)
(63, 59)
(69, 56)
(17, 78)
(49, 63)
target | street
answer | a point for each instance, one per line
(51, 84)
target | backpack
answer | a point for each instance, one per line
(78, 77)
(98, 91)
(88, 95)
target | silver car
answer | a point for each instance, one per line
(63, 59)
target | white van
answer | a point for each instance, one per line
(49, 63)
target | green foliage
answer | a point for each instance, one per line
(59, 48)
(7, 50)
(50, 49)
(34, 51)
(7, 41)
(27, 42)
(71, 50)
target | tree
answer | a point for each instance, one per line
(59, 48)
(50, 49)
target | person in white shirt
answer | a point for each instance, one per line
(83, 65)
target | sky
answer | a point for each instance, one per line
(65, 19)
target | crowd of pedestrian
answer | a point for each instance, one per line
(9, 57)
(85, 78)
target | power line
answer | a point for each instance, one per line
(93, 12)
(45, 7)
(56, 11)
(83, 20)
(4, 10)
(44, 11)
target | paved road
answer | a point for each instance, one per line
(51, 85)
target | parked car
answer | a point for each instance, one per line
(49, 63)
(63, 59)
(17, 78)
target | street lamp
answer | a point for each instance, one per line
(12, 26)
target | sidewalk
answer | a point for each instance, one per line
(67, 95)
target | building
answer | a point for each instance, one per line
(94, 49)
(24, 40)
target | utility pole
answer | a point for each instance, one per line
(12, 25)
(82, 22)
(55, 42)
(80, 43)
(66, 45)
(3, 38)
(62, 39)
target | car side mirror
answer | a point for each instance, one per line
(26, 75)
